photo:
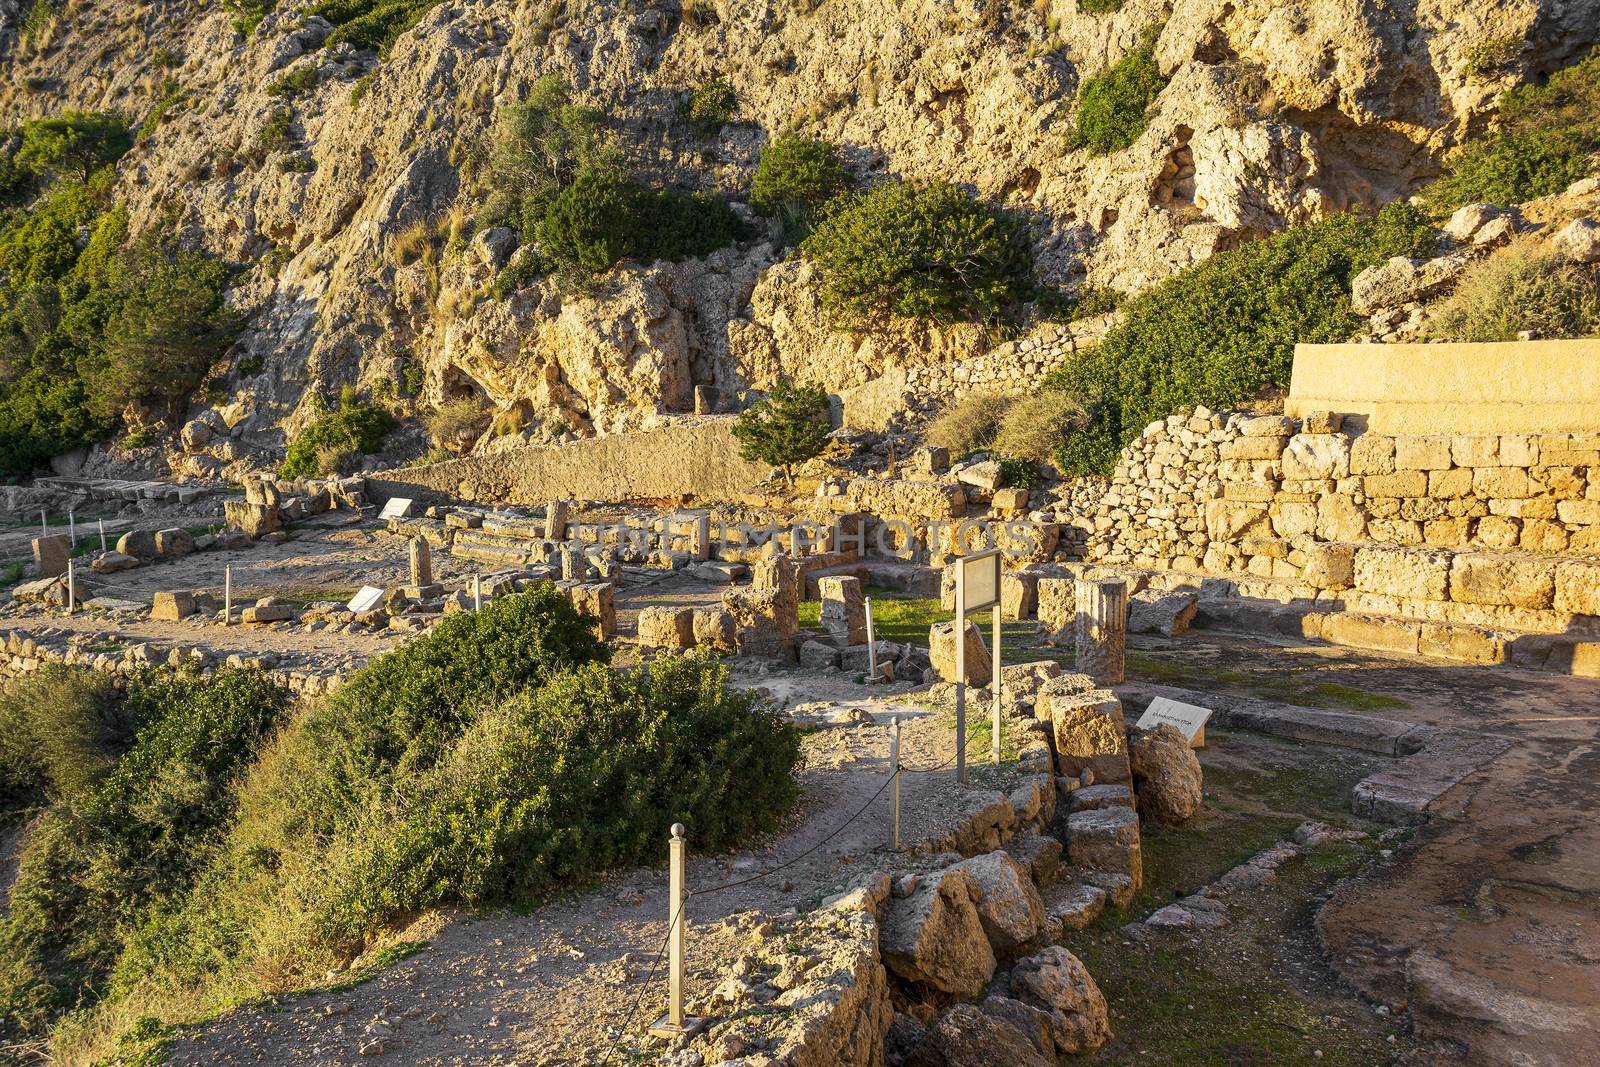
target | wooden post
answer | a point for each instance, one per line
(227, 595)
(674, 1023)
(994, 745)
(1101, 632)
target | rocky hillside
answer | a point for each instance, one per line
(339, 161)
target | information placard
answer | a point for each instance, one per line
(397, 507)
(1190, 718)
(366, 598)
(978, 580)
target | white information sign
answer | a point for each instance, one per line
(398, 507)
(1189, 718)
(366, 598)
(979, 579)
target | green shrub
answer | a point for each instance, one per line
(356, 426)
(275, 134)
(790, 426)
(604, 216)
(1100, 7)
(296, 164)
(710, 106)
(247, 14)
(1540, 145)
(134, 839)
(1038, 424)
(374, 24)
(1114, 105)
(621, 755)
(1017, 472)
(75, 144)
(969, 423)
(173, 100)
(796, 177)
(930, 252)
(1493, 56)
(359, 89)
(538, 147)
(60, 729)
(292, 83)
(1521, 288)
(1224, 329)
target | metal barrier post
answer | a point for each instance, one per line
(894, 769)
(44, 524)
(102, 535)
(72, 528)
(960, 635)
(227, 595)
(477, 592)
(994, 754)
(674, 1023)
(872, 646)
(72, 588)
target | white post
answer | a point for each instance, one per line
(72, 528)
(872, 646)
(994, 745)
(44, 524)
(674, 1023)
(894, 769)
(72, 588)
(227, 595)
(102, 535)
(477, 592)
(960, 636)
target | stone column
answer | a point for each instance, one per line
(700, 539)
(555, 520)
(1102, 630)
(421, 563)
(574, 566)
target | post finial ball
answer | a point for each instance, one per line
(677, 830)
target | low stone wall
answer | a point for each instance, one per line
(698, 458)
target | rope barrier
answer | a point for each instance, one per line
(677, 915)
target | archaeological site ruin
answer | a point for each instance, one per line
(823, 533)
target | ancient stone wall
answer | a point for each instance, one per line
(1496, 530)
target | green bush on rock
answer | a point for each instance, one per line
(356, 426)
(790, 426)
(1223, 330)
(932, 252)
(795, 179)
(1114, 105)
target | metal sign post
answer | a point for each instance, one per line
(994, 743)
(872, 646)
(72, 528)
(227, 595)
(977, 587)
(894, 769)
(674, 1023)
(477, 592)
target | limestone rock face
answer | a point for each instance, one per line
(1167, 778)
(935, 936)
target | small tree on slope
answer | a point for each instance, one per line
(790, 426)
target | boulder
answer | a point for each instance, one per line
(1402, 281)
(195, 435)
(966, 1036)
(1030, 1021)
(112, 562)
(1074, 906)
(173, 543)
(140, 544)
(714, 628)
(1151, 611)
(935, 936)
(1094, 797)
(986, 474)
(1579, 241)
(1166, 774)
(666, 627)
(1009, 908)
(254, 519)
(942, 651)
(1467, 220)
(1057, 981)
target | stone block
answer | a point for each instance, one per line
(942, 653)
(1057, 609)
(1018, 593)
(1372, 454)
(1372, 631)
(1413, 573)
(934, 935)
(599, 601)
(817, 655)
(666, 627)
(1009, 501)
(1579, 512)
(1480, 450)
(1106, 839)
(1340, 519)
(254, 519)
(1090, 735)
(1422, 453)
(1399, 484)
(714, 628)
(1324, 422)
(1152, 611)
(1268, 426)
(1315, 457)
(1502, 580)
(1503, 483)
(1466, 643)
(1294, 519)
(1228, 521)
(844, 612)
(171, 607)
(51, 553)
(1577, 587)
(986, 475)
(264, 613)
(1329, 566)
(1258, 448)
(1449, 484)
(1498, 531)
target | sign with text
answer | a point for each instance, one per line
(1189, 718)
(978, 580)
(398, 507)
(366, 598)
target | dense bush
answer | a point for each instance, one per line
(1038, 424)
(539, 146)
(605, 216)
(1223, 330)
(74, 144)
(796, 177)
(60, 730)
(790, 426)
(931, 252)
(583, 775)
(1522, 288)
(374, 24)
(969, 423)
(130, 838)
(1114, 105)
(710, 106)
(356, 426)
(85, 330)
(1540, 145)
